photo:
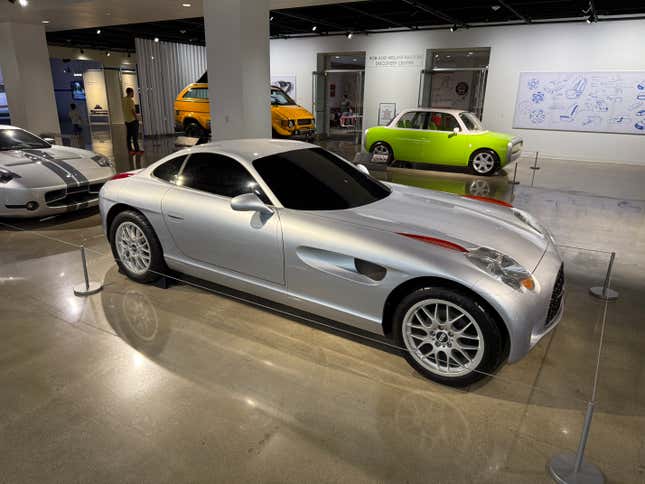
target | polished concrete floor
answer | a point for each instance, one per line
(187, 384)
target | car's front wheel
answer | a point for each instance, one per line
(135, 247)
(484, 162)
(447, 336)
(194, 130)
(382, 153)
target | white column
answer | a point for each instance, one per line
(237, 51)
(24, 60)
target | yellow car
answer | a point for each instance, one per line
(192, 113)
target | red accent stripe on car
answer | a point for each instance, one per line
(435, 241)
(120, 176)
(489, 200)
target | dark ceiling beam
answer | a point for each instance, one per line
(514, 11)
(435, 13)
(377, 17)
(310, 20)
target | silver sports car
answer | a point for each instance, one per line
(38, 178)
(460, 285)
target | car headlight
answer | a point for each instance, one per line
(288, 123)
(502, 267)
(101, 160)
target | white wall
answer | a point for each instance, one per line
(608, 46)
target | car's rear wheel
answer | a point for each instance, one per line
(484, 162)
(135, 247)
(194, 130)
(447, 336)
(382, 153)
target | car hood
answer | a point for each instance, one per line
(55, 166)
(467, 222)
(291, 112)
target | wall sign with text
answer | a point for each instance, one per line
(395, 60)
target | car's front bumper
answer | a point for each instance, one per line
(514, 150)
(54, 200)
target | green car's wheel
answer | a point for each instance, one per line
(382, 152)
(484, 162)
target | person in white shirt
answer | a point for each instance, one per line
(77, 123)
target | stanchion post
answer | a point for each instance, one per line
(605, 292)
(534, 167)
(87, 288)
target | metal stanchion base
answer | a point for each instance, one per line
(561, 470)
(604, 294)
(91, 288)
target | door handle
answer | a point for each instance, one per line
(175, 217)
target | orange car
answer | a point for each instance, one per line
(192, 113)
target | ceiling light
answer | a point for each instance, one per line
(182, 31)
(108, 53)
(337, 57)
(271, 18)
(156, 39)
(152, 57)
(45, 21)
(23, 3)
(314, 28)
(98, 31)
(354, 60)
(470, 53)
(454, 28)
(350, 35)
(186, 4)
(495, 7)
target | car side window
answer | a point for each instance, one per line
(197, 93)
(412, 120)
(442, 122)
(168, 171)
(218, 174)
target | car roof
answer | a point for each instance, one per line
(454, 112)
(252, 149)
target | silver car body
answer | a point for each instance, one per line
(59, 179)
(307, 259)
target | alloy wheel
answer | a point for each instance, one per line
(133, 248)
(484, 162)
(381, 153)
(443, 337)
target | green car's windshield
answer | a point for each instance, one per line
(18, 139)
(280, 98)
(471, 121)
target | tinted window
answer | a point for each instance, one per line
(280, 98)
(412, 120)
(197, 93)
(18, 139)
(315, 179)
(442, 122)
(216, 174)
(168, 171)
(471, 121)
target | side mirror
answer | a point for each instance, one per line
(456, 130)
(51, 141)
(250, 202)
(362, 168)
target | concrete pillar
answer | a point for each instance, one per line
(24, 60)
(237, 51)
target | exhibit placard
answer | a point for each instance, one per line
(602, 102)
(395, 60)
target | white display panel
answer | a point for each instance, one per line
(604, 102)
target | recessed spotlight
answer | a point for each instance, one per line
(23, 3)
(108, 53)
(350, 35)
(337, 57)
(314, 28)
(152, 57)
(453, 28)
(45, 21)
(354, 60)
(448, 56)
(156, 39)
(98, 31)
(271, 18)
(182, 31)
(186, 4)
(470, 53)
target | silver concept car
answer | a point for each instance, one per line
(459, 284)
(38, 178)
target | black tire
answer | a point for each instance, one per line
(492, 338)
(386, 151)
(192, 129)
(157, 266)
(484, 152)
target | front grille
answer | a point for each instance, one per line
(556, 297)
(72, 195)
(305, 122)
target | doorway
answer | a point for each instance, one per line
(338, 90)
(455, 78)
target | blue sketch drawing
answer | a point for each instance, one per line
(537, 97)
(641, 97)
(640, 125)
(601, 106)
(620, 120)
(571, 115)
(592, 121)
(641, 85)
(577, 88)
(641, 112)
(537, 116)
(533, 84)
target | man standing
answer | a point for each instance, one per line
(131, 123)
(77, 125)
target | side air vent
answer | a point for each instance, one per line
(369, 269)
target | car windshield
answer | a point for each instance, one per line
(280, 98)
(471, 121)
(19, 139)
(315, 179)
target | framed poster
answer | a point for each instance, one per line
(287, 83)
(386, 113)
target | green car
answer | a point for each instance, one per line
(442, 137)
